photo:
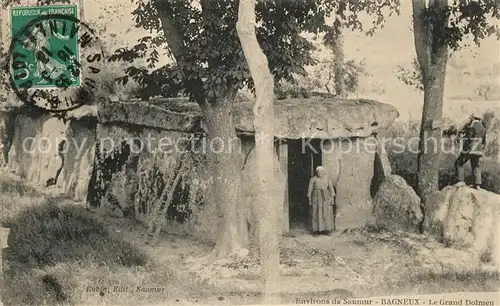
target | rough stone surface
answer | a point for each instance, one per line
(321, 118)
(6, 131)
(129, 177)
(467, 218)
(295, 118)
(21, 161)
(353, 199)
(40, 161)
(397, 206)
(47, 154)
(381, 166)
(157, 116)
(79, 158)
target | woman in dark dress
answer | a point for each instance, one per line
(320, 194)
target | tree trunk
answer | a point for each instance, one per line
(338, 61)
(432, 59)
(430, 132)
(224, 163)
(264, 149)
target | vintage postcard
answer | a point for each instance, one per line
(244, 152)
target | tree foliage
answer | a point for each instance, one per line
(454, 27)
(411, 77)
(461, 20)
(320, 79)
(212, 59)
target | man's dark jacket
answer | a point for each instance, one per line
(474, 138)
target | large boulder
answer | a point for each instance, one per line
(381, 166)
(466, 218)
(47, 153)
(397, 206)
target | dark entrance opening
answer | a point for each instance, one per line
(303, 158)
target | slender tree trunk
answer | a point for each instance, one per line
(338, 61)
(432, 59)
(224, 163)
(264, 146)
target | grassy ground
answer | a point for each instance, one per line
(62, 254)
(57, 251)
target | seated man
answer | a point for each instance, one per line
(473, 141)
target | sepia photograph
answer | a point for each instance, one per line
(250, 152)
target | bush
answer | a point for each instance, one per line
(15, 187)
(49, 234)
(49, 243)
(321, 79)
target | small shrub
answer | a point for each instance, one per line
(16, 187)
(48, 234)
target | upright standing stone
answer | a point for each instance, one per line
(4, 234)
(283, 160)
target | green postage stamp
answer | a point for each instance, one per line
(49, 47)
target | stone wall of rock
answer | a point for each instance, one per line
(25, 162)
(350, 163)
(118, 156)
(128, 180)
(467, 218)
(79, 161)
(6, 135)
(52, 153)
(131, 167)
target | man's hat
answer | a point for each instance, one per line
(475, 115)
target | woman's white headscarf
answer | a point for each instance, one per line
(318, 168)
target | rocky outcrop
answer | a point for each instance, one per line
(467, 218)
(397, 206)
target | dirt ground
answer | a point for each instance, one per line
(354, 263)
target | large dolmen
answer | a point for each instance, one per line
(103, 160)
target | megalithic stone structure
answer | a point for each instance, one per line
(4, 234)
